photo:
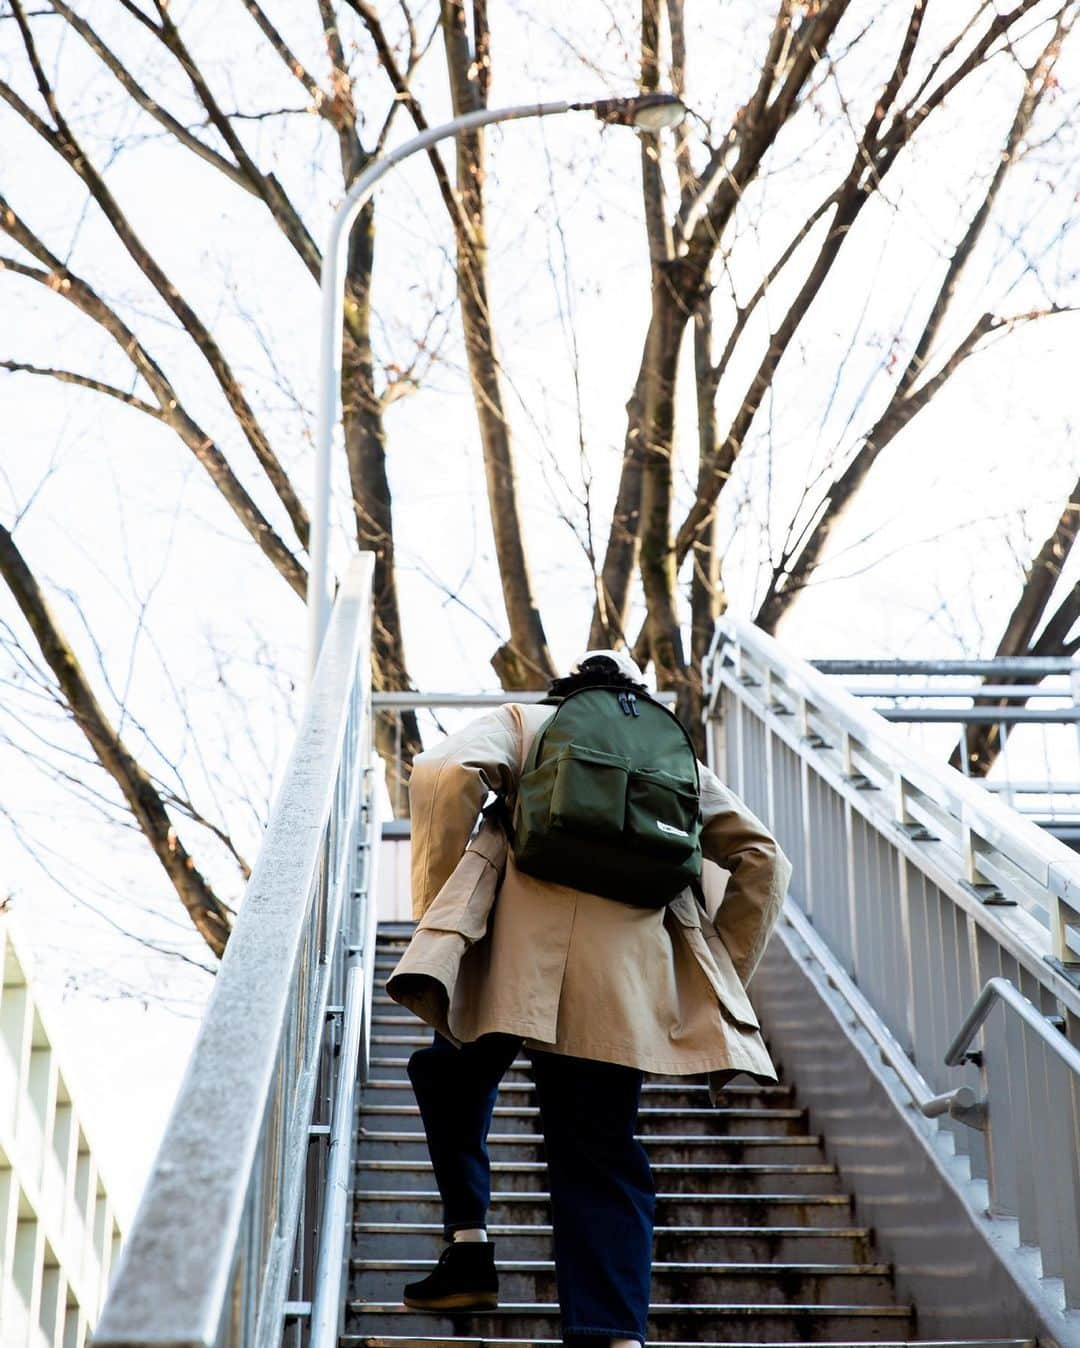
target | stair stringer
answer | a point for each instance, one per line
(963, 1270)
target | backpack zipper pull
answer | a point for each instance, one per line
(633, 704)
(624, 702)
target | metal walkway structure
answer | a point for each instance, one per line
(915, 1178)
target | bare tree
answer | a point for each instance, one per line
(525, 661)
(209, 915)
(919, 381)
(798, 58)
(749, 320)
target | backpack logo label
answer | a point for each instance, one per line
(670, 828)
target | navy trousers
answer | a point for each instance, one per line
(602, 1192)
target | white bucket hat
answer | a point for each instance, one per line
(622, 660)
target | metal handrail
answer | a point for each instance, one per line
(1002, 990)
(413, 701)
(354, 1055)
(222, 1247)
(1012, 666)
(914, 779)
(960, 1103)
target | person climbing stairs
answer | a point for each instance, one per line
(755, 1237)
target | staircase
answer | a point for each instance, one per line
(755, 1239)
(923, 985)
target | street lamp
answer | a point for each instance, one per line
(648, 112)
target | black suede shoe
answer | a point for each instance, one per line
(464, 1279)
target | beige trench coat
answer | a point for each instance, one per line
(500, 951)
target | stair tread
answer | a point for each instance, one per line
(663, 1308)
(691, 1082)
(402, 1341)
(512, 1196)
(497, 1229)
(659, 1266)
(646, 1111)
(693, 1167)
(647, 1139)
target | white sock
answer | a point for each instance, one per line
(475, 1233)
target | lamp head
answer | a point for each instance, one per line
(646, 112)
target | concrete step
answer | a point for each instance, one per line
(672, 1177)
(391, 1341)
(377, 1202)
(402, 1029)
(401, 1035)
(383, 1038)
(674, 1149)
(748, 1322)
(395, 1108)
(719, 1244)
(388, 1072)
(405, 1020)
(759, 1283)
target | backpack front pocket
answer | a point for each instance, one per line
(662, 812)
(589, 795)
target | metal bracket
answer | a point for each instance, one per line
(960, 1105)
(988, 895)
(1069, 970)
(915, 831)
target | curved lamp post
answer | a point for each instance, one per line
(648, 112)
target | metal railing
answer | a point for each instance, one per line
(1028, 705)
(915, 890)
(245, 1215)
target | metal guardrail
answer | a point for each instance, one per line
(914, 890)
(1029, 706)
(398, 704)
(245, 1213)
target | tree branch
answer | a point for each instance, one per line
(84, 381)
(61, 139)
(65, 283)
(207, 912)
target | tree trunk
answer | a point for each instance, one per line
(608, 627)
(707, 600)
(658, 572)
(525, 661)
(365, 448)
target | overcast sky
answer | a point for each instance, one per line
(203, 644)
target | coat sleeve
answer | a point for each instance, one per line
(447, 789)
(736, 839)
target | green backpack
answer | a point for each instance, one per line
(609, 799)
